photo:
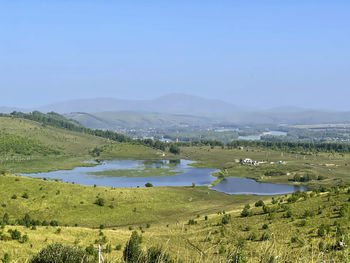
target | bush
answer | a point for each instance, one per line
(25, 196)
(265, 236)
(6, 258)
(100, 201)
(90, 250)
(245, 212)
(59, 253)
(118, 247)
(192, 222)
(265, 226)
(53, 223)
(14, 197)
(156, 254)
(174, 149)
(24, 239)
(259, 203)
(6, 219)
(132, 252)
(226, 219)
(15, 234)
(149, 185)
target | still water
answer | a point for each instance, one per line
(184, 175)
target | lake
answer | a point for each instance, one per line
(237, 185)
(136, 173)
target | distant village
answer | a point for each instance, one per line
(248, 161)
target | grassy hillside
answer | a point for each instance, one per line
(325, 169)
(189, 224)
(33, 147)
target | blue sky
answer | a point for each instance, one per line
(254, 53)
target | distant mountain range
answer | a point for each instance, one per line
(173, 104)
(180, 110)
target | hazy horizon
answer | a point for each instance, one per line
(261, 54)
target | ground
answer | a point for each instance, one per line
(193, 224)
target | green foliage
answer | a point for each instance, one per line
(100, 201)
(132, 252)
(156, 255)
(174, 149)
(226, 219)
(192, 222)
(15, 234)
(149, 185)
(259, 203)
(58, 253)
(6, 258)
(13, 144)
(265, 236)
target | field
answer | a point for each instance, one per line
(333, 168)
(192, 224)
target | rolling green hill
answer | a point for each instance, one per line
(29, 146)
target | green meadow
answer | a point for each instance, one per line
(191, 224)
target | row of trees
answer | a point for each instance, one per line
(59, 121)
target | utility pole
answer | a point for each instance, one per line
(100, 257)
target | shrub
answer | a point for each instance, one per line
(308, 213)
(252, 236)
(265, 236)
(156, 254)
(5, 219)
(90, 250)
(24, 239)
(265, 226)
(14, 197)
(245, 212)
(149, 185)
(25, 196)
(288, 214)
(259, 203)
(192, 222)
(15, 234)
(132, 252)
(226, 219)
(118, 247)
(59, 253)
(53, 223)
(6, 258)
(100, 201)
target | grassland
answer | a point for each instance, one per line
(72, 148)
(333, 168)
(283, 231)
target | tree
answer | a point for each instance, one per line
(259, 203)
(174, 149)
(149, 185)
(132, 252)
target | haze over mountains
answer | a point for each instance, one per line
(172, 103)
(180, 110)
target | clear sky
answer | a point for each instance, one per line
(256, 53)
